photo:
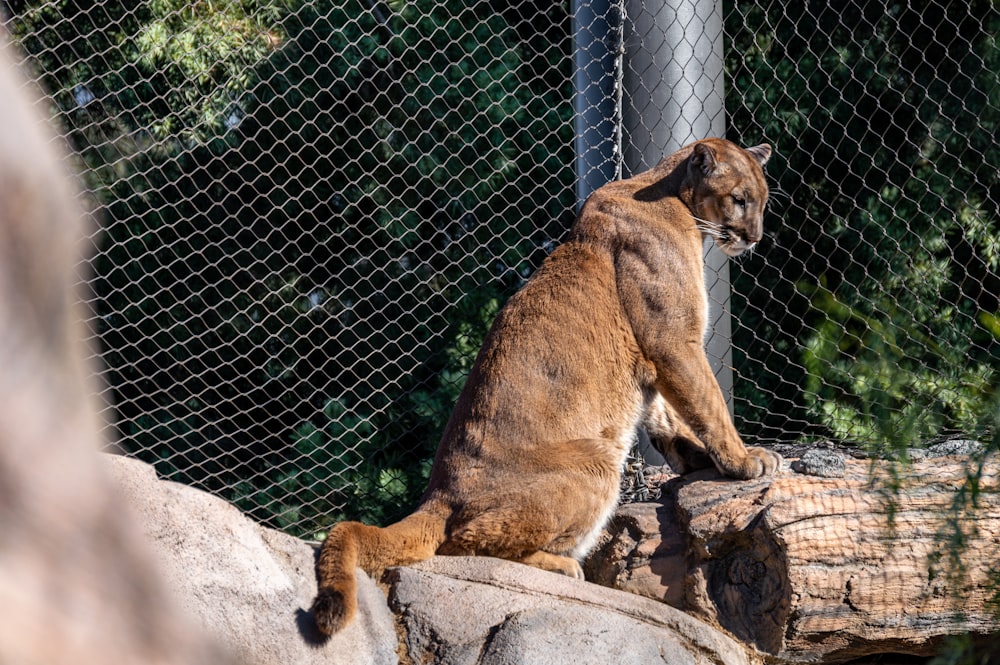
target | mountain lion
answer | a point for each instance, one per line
(604, 338)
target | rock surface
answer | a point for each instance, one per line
(251, 587)
(483, 611)
(822, 463)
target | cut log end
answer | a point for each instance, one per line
(748, 591)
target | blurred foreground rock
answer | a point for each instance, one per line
(78, 585)
(817, 568)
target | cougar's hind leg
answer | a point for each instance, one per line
(564, 494)
(555, 563)
(352, 545)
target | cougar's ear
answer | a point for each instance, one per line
(702, 159)
(761, 153)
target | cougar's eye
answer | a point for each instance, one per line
(740, 202)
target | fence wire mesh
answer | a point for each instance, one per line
(310, 211)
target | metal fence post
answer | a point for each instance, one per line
(673, 94)
(596, 95)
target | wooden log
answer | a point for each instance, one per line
(807, 568)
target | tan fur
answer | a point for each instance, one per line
(605, 337)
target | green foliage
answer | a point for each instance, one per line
(878, 380)
(311, 211)
(201, 55)
(866, 323)
(375, 478)
(163, 74)
(473, 317)
(300, 498)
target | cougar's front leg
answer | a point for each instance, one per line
(686, 381)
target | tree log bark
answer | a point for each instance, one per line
(807, 568)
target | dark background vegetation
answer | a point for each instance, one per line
(870, 316)
(311, 212)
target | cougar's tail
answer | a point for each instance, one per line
(351, 545)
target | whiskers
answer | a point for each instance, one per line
(730, 242)
(778, 199)
(710, 228)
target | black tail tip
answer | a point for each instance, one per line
(329, 611)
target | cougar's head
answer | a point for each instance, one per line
(726, 192)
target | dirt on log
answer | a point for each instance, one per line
(832, 567)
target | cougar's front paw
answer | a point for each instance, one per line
(765, 462)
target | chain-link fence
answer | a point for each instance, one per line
(311, 211)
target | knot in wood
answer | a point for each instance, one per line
(745, 570)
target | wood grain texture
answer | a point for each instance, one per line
(807, 568)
